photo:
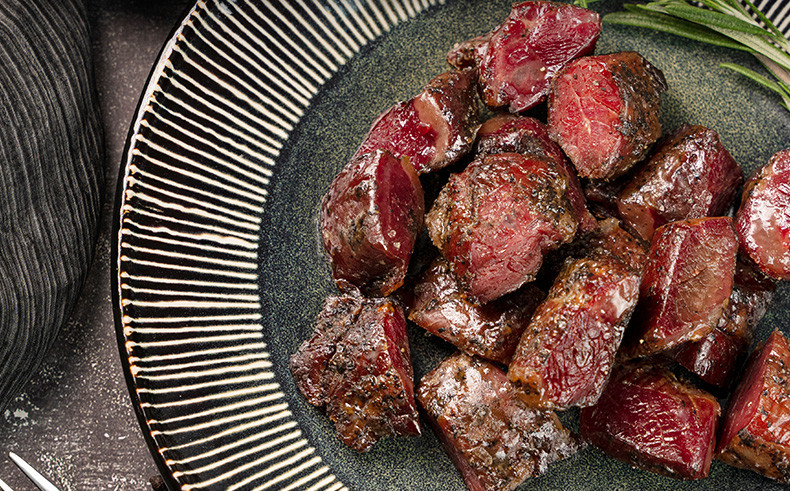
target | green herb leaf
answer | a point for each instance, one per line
(671, 25)
(764, 81)
(713, 19)
(726, 23)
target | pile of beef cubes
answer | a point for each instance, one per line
(577, 263)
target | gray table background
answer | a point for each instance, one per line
(74, 421)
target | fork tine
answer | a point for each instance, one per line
(32, 474)
(4, 486)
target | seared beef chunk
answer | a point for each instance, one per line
(649, 419)
(491, 330)
(565, 355)
(528, 136)
(686, 284)
(603, 112)
(691, 175)
(525, 52)
(494, 440)
(357, 364)
(494, 221)
(435, 128)
(756, 434)
(370, 218)
(716, 357)
(763, 221)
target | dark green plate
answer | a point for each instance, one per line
(251, 111)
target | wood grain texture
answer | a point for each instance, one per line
(51, 176)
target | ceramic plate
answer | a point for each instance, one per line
(251, 110)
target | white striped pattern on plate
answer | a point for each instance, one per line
(230, 86)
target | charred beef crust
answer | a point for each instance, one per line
(358, 365)
(464, 54)
(690, 175)
(649, 419)
(494, 222)
(756, 431)
(491, 331)
(640, 85)
(494, 439)
(369, 219)
(564, 357)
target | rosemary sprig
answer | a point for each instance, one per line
(726, 23)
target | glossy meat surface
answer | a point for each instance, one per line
(491, 330)
(716, 357)
(524, 53)
(756, 432)
(528, 136)
(686, 284)
(604, 112)
(357, 364)
(564, 357)
(649, 419)
(435, 128)
(370, 218)
(494, 440)
(763, 220)
(494, 221)
(691, 175)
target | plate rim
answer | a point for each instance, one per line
(115, 243)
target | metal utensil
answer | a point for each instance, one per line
(40, 481)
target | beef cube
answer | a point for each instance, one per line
(756, 433)
(763, 220)
(491, 330)
(564, 357)
(493, 438)
(357, 364)
(691, 175)
(604, 112)
(524, 53)
(528, 136)
(686, 284)
(494, 221)
(649, 419)
(435, 128)
(370, 218)
(715, 358)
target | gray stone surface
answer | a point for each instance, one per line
(74, 421)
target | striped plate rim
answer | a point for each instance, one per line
(202, 148)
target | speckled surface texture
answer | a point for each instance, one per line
(74, 420)
(749, 121)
